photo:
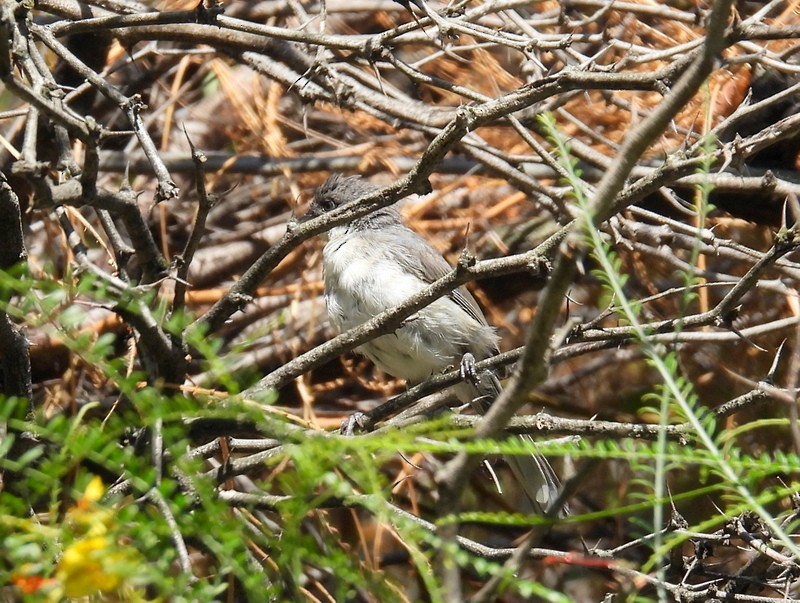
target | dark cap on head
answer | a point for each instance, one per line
(339, 190)
(335, 192)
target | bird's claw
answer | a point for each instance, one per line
(468, 371)
(354, 423)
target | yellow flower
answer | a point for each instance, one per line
(94, 491)
(86, 517)
(90, 565)
(94, 562)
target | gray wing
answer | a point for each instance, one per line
(422, 260)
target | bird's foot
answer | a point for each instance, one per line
(353, 424)
(468, 371)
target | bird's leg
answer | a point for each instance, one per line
(355, 422)
(467, 370)
(485, 383)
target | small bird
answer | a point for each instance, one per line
(375, 263)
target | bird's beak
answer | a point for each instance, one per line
(311, 213)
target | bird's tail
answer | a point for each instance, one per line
(538, 481)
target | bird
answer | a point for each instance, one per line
(376, 262)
